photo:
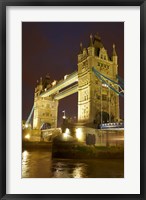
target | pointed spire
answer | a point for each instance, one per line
(97, 37)
(114, 50)
(91, 40)
(81, 48)
(48, 76)
(84, 51)
(41, 81)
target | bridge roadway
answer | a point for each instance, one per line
(71, 90)
(70, 79)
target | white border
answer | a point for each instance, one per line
(128, 185)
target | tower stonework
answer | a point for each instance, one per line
(45, 109)
(95, 99)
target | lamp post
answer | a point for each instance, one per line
(64, 116)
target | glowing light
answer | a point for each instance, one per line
(105, 85)
(64, 117)
(66, 134)
(77, 173)
(25, 164)
(27, 136)
(65, 77)
(25, 155)
(54, 82)
(67, 131)
(79, 134)
(26, 125)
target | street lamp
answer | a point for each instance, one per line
(64, 116)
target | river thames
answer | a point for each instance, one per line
(39, 164)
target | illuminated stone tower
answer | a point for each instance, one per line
(96, 102)
(45, 108)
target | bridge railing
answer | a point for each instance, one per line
(111, 125)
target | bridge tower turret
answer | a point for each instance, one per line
(95, 99)
(114, 56)
(45, 108)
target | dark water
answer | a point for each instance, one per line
(39, 164)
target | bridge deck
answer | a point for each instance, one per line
(72, 78)
(71, 90)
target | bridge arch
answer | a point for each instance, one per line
(45, 126)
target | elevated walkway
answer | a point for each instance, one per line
(70, 79)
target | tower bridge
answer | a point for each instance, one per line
(96, 83)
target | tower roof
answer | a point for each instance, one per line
(81, 48)
(91, 40)
(97, 41)
(114, 50)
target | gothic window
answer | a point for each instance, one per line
(83, 67)
(98, 97)
(104, 97)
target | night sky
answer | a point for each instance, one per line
(52, 47)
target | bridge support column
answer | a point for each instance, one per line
(45, 111)
(93, 93)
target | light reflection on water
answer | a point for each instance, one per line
(25, 163)
(39, 164)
